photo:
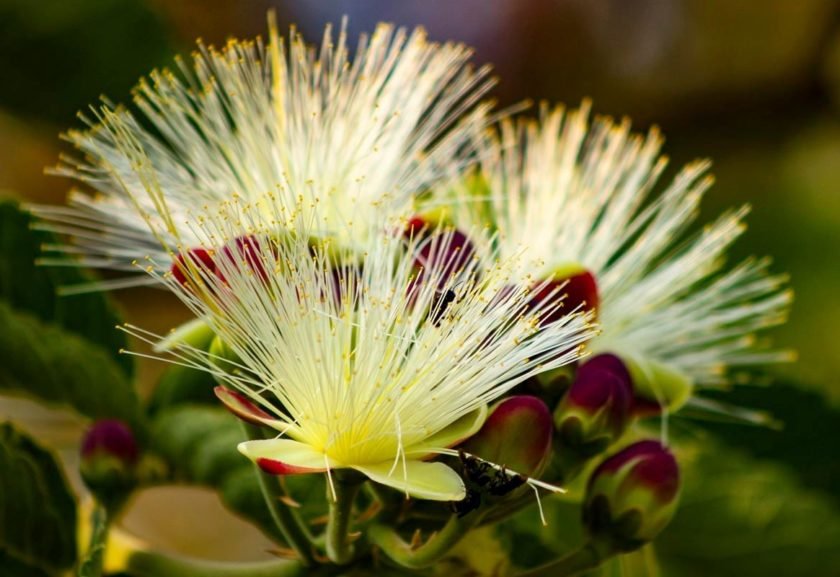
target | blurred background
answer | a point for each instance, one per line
(753, 85)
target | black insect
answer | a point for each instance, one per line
(503, 482)
(441, 302)
(496, 481)
(469, 503)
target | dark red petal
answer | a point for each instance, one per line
(273, 467)
(241, 406)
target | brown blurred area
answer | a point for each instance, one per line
(752, 84)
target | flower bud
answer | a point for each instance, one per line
(597, 407)
(445, 252)
(632, 496)
(195, 261)
(570, 288)
(109, 458)
(516, 435)
(249, 250)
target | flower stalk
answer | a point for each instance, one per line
(288, 522)
(341, 493)
(417, 557)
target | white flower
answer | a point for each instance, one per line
(574, 197)
(302, 129)
(356, 363)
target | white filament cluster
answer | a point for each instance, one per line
(366, 378)
(333, 135)
(561, 191)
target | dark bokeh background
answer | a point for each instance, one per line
(755, 85)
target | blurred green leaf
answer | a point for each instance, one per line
(181, 385)
(641, 563)
(530, 543)
(809, 424)
(45, 361)
(741, 517)
(25, 285)
(37, 509)
(199, 444)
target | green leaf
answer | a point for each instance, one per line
(50, 363)
(199, 444)
(37, 509)
(641, 563)
(25, 285)
(530, 543)
(740, 517)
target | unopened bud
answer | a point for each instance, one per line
(249, 250)
(597, 407)
(444, 254)
(516, 435)
(192, 263)
(109, 458)
(571, 288)
(632, 496)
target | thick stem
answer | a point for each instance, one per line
(94, 558)
(338, 541)
(431, 551)
(148, 564)
(288, 521)
(586, 558)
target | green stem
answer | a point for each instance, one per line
(91, 564)
(288, 521)
(431, 551)
(588, 557)
(148, 564)
(338, 542)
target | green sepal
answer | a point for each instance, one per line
(656, 382)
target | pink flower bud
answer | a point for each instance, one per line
(567, 291)
(110, 437)
(446, 253)
(598, 406)
(632, 495)
(109, 458)
(194, 260)
(249, 250)
(516, 435)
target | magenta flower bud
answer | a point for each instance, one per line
(597, 408)
(249, 250)
(573, 288)
(632, 495)
(109, 457)
(516, 435)
(113, 438)
(190, 262)
(445, 252)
